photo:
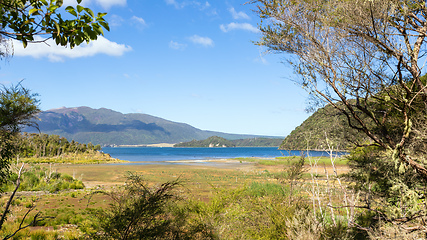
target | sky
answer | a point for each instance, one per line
(188, 61)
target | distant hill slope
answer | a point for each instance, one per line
(258, 142)
(221, 142)
(325, 124)
(213, 141)
(107, 127)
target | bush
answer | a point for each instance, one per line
(257, 189)
(140, 212)
(39, 179)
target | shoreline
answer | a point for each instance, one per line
(160, 145)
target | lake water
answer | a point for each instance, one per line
(166, 155)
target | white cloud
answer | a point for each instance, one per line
(261, 60)
(177, 46)
(204, 41)
(139, 21)
(182, 4)
(238, 15)
(70, 2)
(237, 26)
(203, 6)
(115, 20)
(106, 4)
(57, 53)
(175, 3)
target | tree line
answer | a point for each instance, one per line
(44, 145)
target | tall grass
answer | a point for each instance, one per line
(287, 161)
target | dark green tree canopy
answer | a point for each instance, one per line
(24, 19)
(18, 107)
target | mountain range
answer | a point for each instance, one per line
(107, 127)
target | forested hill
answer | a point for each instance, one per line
(325, 125)
(213, 141)
(107, 127)
(216, 141)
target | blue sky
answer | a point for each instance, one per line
(186, 61)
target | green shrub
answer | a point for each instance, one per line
(140, 212)
(67, 177)
(257, 189)
(39, 179)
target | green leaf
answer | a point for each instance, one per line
(58, 30)
(63, 41)
(71, 10)
(33, 11)
(105, 25)
(52, 8)
(79, 1)
(59, 3)
(98, 29)
(79, 8)
(92, 34)
(78, 40)
(28, 21)
(88, 10)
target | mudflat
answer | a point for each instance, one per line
(190, 171)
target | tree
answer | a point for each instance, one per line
(23, 20)
(18, 107)
(362, 57)
(366, 59)
(138, 211)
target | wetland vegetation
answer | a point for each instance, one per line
(364, 59)
(250, 199)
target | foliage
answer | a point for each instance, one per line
(18, 107)
(38, 178)
(44, 145)
(323, 127)
(287, 161)
(216, 141)
(294, 172)
(360, 57)
(363, 58)
(23, 20)
(43, 148)
(213, 141)
(262, 211)
(140, 212)
(257, 142)
(72, 158)
(379, 181)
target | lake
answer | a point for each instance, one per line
(166, 155)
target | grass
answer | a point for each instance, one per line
(286, 161)
(75, 158)
(239, 193)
